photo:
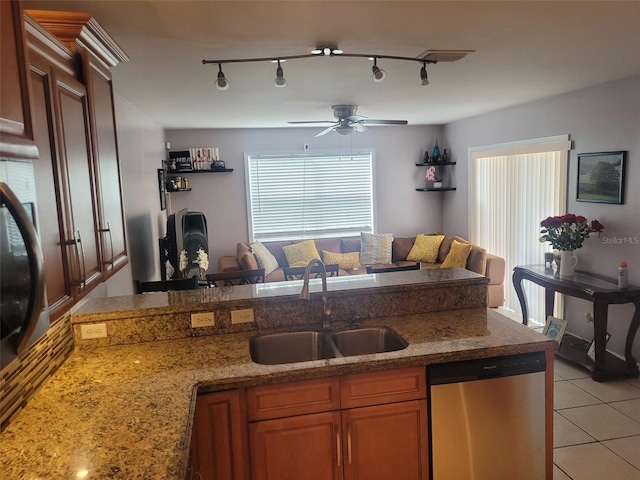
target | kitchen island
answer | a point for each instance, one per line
(126, 411)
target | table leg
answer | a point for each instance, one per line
(632, 365)
(517, 285)
(549, 300)
(600, 319)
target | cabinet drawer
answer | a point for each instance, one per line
(375, 388)
(293, 398)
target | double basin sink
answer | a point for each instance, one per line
(291, 347)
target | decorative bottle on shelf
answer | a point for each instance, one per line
(435, 154)
(445, 156)
(426, 157)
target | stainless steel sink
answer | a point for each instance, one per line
(291, 347)
(364, 341)
(294, 347)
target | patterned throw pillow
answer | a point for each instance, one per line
(458, 255)
(425, 249)
(265, 258)
(300, 254)
(375, 248)
(345, 261)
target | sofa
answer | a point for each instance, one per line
(348, 251)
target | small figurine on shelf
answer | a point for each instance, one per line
(445, 156)
(435, 154)
(426, 157)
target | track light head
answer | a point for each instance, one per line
(423, 75)
(221, 82)
(279, 82)
(378, 74)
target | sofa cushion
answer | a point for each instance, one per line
(425, 249)
(300, 254)
(242, 248)
(264, 257)
(350, 244)
(275, 247)
(477, 261)
(445, 246)
(331, 244)
(346, 261)
(248, 261)
(401, 248)
(375, 248)
(458, 255)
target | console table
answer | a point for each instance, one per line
(602, 292)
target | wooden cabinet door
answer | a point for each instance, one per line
(16, 134)
(218, 444)
(386, 442)
(110, 213)
(74, 150)
(50, 210)
(303, 447)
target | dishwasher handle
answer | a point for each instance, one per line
(486, 368)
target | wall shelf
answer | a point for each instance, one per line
(434, 164)
(190, 172)
(431, 189)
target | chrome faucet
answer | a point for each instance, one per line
(304, 294)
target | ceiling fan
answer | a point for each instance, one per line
(348, 122)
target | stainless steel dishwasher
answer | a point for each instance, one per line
(487, 418)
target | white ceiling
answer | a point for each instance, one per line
(524, 50)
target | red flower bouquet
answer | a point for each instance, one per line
(568, 232)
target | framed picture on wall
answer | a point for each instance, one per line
(162, 187)
(601, 177)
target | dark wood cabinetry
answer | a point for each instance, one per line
(77, 171)
(16, 132)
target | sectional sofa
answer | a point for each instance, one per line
(348, 251)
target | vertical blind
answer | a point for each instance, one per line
(510, 194)
(297, 196)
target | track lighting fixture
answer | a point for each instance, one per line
(333, 51)
(423, 75)
(221, 82)
(279, 82)
(378, 74)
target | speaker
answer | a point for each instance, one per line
(194, 235)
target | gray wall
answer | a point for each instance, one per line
(222, 198)
(600, 118)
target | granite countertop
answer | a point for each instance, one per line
(125, 411)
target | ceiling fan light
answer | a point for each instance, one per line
(279, 82)
(316, 51)
(344, 130)
(338, 51)
(222, 83)
(423, 75)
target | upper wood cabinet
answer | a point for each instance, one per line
(16, 132)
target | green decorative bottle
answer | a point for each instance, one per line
(435, 154)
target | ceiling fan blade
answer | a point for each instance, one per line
(326, 130)
(383, 122)
(360, 127)
(355, 118)
(315, 121)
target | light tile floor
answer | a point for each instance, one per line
(596, 426)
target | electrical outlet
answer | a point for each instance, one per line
(242, 316)
(204, 319)
(93, 330)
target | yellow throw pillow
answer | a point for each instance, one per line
(300, 254)
(345, 261)
(425, 248)
(458, 255)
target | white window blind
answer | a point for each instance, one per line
(297, 196)
(512, 189)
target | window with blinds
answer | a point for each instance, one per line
(512, 188)
(297, 196)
